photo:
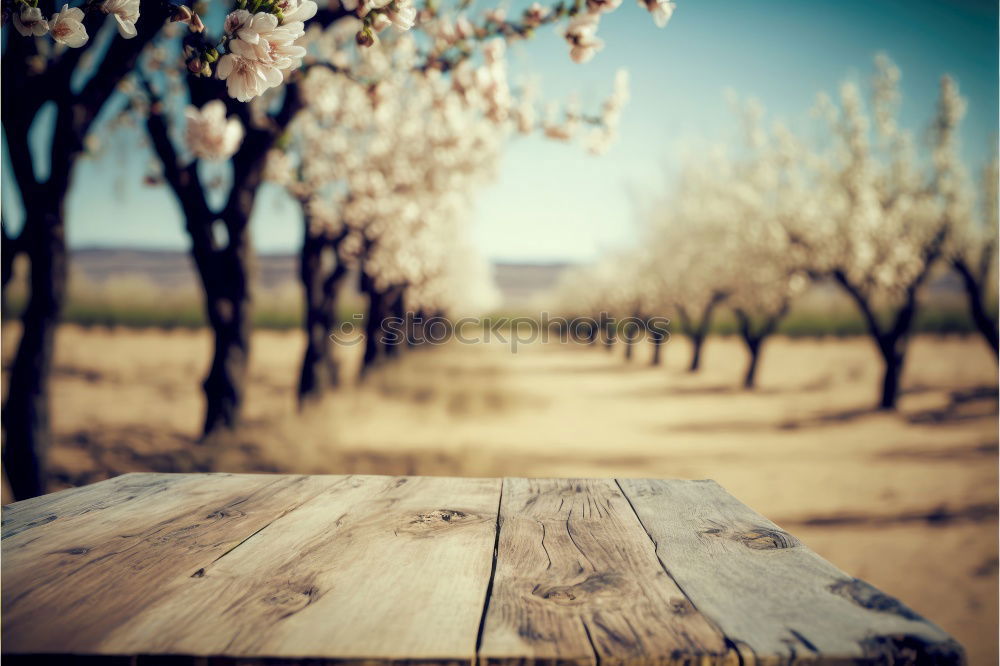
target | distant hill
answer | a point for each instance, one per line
(153, 287)
(519, 283)
(170, 268)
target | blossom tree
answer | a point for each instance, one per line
(766, 188)
(381, 172)
(51, 62)
(973, 254)
(689, 233)
(260, 64)
(581, 294)
(49, 57)
(885, 224)
(388, 170)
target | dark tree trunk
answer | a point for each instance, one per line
(26, 419)
(411, 329)
(893, 356)
(9, 252)
(395, 308)
(657, 340)
(696, 342)
(632, 334)
(321, 282)
(373, 324)
(892, 340)
(226, 281)
(609, 336)
(26, 422)
(754, 339)
(223, 265)
(975, 291)
(750, 378)
(416, 328)
(697, 331)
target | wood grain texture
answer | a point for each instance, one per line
(371, 569)
(249, 570)
(69, 581)
(577, 582)
(85, 501)
(774, 598)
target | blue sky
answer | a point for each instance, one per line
(551, 201)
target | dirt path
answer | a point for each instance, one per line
(907, 501)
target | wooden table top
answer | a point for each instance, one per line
(436, 570)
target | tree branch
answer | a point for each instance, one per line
(861, 301)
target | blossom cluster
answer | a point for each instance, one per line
(257, 49)
(378, 15)
(209, 134)
(581, 32)
(66, 26)
(260, 46)
(385, 170)
(755, 223)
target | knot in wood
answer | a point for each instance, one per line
(681, 606)
(439, 515)
(755, 537)
(224, 513)
(765, 538)
(595, 587)
(292, 599)
(438, 519)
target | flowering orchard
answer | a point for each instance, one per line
(230, 86)
(867, 208)
(385, 176)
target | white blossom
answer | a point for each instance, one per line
(602, 6)
(210, 135)
(278, 167)
(581, 35)
(126, 13)
(535, 14)
(403, 14)
(30, 22)
(297, 10)
(66, 27)
(260, 49)
(661, 10)
(245, 74)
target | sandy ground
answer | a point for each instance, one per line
(907, 501)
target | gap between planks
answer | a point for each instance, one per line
(733, 647)
(493, 571)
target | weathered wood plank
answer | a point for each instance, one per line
(372, 569)
(774, 598)
(577, 581)
(70, 581)
(72, 502)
